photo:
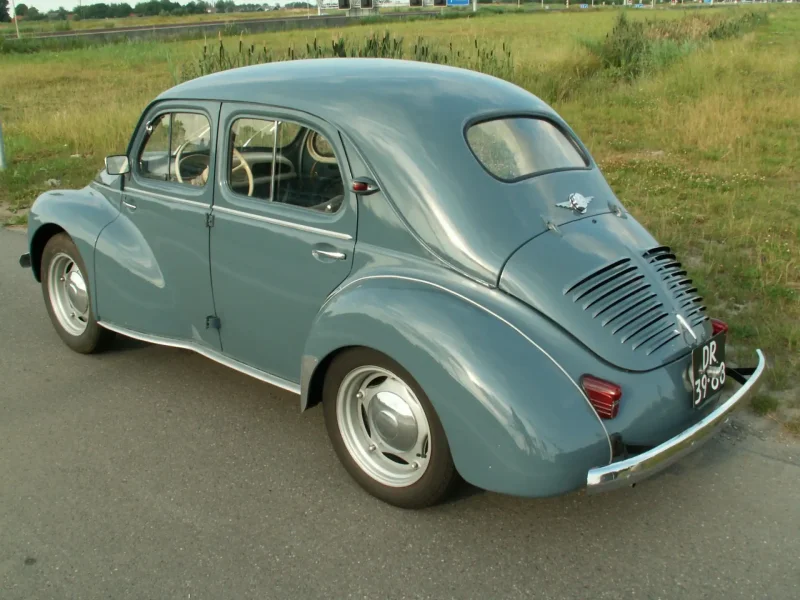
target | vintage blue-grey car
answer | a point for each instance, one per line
(428, 252)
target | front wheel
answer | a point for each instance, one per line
(385, 430)
(66, 294)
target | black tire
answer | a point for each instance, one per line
(94, 338)
(440, 478)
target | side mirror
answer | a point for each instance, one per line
(118, 165)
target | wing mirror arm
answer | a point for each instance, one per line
(364, 186)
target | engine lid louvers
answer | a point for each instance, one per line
(621, 297)
(607, 282)
(665, 264)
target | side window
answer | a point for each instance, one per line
(154, 157)
(250, 160)
(284, 162)
(190, 148)
(317, 184)
(177, 149)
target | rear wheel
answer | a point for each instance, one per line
(385, 430)
(66, 295)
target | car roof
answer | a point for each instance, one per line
(408, 121)
(340, 88)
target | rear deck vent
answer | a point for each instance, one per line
(675, 279)
(619, 297)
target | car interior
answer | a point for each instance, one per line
(306, 170)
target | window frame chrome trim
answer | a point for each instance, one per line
(281, 222)
(218, 357)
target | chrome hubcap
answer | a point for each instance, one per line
(383, 426)
(68, 294)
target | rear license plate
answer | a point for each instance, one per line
(708, 369)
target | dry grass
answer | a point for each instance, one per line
(704, 153)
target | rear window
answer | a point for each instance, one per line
(519, 147)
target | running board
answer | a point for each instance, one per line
(208, 353)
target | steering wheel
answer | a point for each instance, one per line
(243, 164)
(204, 175)
(179, 161)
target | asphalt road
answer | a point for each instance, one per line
(148, 472)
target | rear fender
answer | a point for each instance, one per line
(515, 421)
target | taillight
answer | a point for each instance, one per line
(603, 395)
(718, 326)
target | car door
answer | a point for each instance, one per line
(152, 262)
(280, 244)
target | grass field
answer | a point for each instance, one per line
(703, 148)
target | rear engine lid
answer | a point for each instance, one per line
(606, 281)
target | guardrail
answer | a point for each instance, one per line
(189, 30)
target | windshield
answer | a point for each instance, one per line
(519, 147)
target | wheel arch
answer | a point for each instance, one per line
(81, 214)
(311, 391)
(39, 240)
(515, 421)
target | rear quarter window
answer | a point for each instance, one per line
(518, 147)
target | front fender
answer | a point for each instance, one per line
(515, 421)
(82, 214)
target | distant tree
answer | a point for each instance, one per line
(34, 14)
(21, 10)
(196, 8)
(225, 6)
(121, 10)
(5, 16)
(155, 7)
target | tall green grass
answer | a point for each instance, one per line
(480, 55)
(633, 48)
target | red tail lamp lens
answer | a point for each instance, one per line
(718, 326)
(360, 186)
(603, 395)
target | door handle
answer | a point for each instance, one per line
(130, 205)
(323, 254)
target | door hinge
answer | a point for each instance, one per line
(212, 322)
(209, 219)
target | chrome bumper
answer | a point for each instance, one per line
(629, 471)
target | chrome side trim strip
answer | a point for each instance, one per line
(134, 190)
(496, 316)
(208, 353)
(629, 471)
(289, 224)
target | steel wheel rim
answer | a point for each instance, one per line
(69, 295)
(383, 426)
